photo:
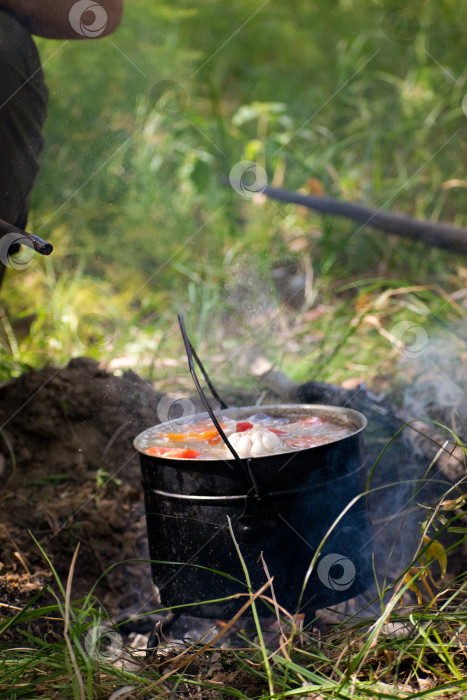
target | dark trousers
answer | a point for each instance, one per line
(23, 108)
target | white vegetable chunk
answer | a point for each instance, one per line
(255, 442)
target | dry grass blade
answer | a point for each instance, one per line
(285, 642)
(82, 691)
(185, 658)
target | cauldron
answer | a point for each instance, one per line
(280, 506)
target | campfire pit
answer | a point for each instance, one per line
(281, 505)
(287, 508)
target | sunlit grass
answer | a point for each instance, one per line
(390, 648)
(134, 200)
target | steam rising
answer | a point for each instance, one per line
(438, 390)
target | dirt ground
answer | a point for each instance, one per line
(69, 473)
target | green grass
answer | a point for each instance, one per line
(131, 189)
(353, 96)
(69, 648)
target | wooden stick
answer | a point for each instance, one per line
(440, 235)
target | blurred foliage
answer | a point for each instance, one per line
(358, 100)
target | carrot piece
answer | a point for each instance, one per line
(306, 441)
(276, 431)
(185, 454)
(311, 420)
(175, 452)
(157, 451)
(215, 441)
(193, 435)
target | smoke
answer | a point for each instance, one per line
(438, 389)
(251, 299)
(432, 388)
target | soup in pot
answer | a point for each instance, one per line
(256, 435)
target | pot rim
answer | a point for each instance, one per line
(340, 414)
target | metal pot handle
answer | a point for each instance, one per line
(258, 516)
(190, 351)
(259, 494)
(190, 355)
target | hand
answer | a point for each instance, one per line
(51, 18)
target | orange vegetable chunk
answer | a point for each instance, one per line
(176, 452)
(276, 431)
(203, 432)
(300, 441)
(312, 420)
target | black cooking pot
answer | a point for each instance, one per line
(280, 505)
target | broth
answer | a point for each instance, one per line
(255, 435)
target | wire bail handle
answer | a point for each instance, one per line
(258, 509)
(190, 352)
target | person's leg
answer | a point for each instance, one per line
(23, 107)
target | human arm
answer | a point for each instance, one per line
(52, 19)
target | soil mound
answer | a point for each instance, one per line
(69, 473)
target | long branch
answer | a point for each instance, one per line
(440, 235)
